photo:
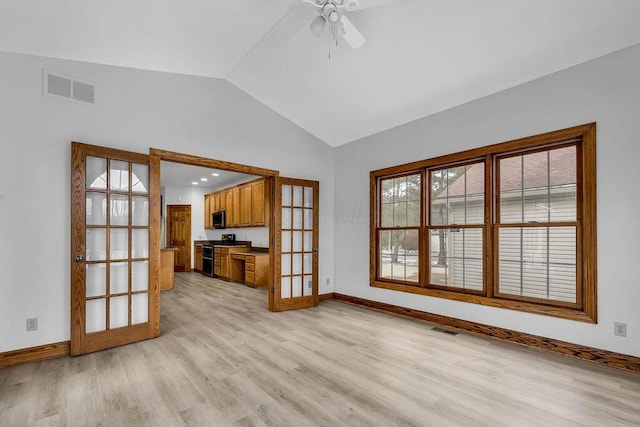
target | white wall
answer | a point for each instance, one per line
(134, 110)
(607, 91)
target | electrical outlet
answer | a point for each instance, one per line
(32, 324)
(620, 329)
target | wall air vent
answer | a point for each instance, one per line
(60, 86)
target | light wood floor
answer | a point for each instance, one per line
(223, 359)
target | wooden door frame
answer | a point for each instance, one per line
(188, 245)
(156, 155)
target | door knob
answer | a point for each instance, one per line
(79, 258)
(315, 249)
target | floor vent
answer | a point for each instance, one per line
(64, 87)
(445, 331)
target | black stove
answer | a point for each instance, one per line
(228, 239)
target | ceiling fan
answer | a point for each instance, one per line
(332, 14)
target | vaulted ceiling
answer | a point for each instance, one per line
(420, 57)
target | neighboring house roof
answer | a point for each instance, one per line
(561, 168)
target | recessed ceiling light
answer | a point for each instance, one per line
(215, 174)
(203, 179)
(195, 182)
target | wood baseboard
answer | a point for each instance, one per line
(601, 357)
(326, 297)
(34, 354)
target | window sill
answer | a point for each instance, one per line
(527, 307)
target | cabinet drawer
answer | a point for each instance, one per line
(224, 251)
(249, 277)
(249, 266)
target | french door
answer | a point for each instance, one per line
(115, 297)
(296, 240)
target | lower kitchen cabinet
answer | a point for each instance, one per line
(197, 258)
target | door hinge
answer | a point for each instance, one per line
(273, 290)
(273, 240)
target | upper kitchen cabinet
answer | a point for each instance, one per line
(207, 211)
(246, 205)
(260, 201)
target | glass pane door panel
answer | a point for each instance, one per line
(286, 264)
(96, 173)
(95, 208)
(285, 287)
(139, 308)
(140, 211)
(308, 197)
(140, 276)
(140, 178)
(119, 242)
(297, 219)
(307, 244)
(140, 243)
(119, 176)
(119, 210)
(297, 241)
(119, 278)
(308, 219)
(307, 263)
(286, 218)
(297, 195)
(118, 312)
(96, 316)
(307, 286)
(296, 286)
(286, 241)
(96, 280)
(297, 264)
(96, 242)
(286, 195)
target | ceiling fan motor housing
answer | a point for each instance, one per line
(330, 11)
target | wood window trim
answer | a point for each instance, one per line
(586, 308)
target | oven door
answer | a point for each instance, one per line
(207, 260)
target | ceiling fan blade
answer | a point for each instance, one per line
(350, 5)
(351, 33)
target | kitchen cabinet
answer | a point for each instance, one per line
(256, 270)
(222, 265)
(246, 205)
(236, 207)
(260, 202)
(207, 212)
(254, 266)
(166, 268)
(215, 202)
(228, 196)
(197, 258)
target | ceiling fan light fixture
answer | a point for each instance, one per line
(317, 25)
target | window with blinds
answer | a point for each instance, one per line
(510, 225)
